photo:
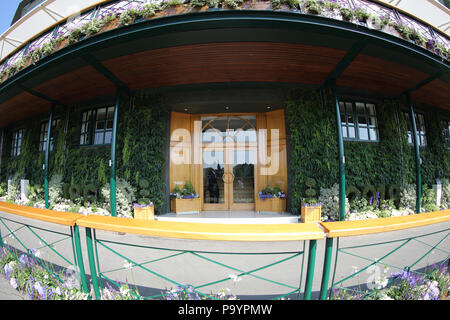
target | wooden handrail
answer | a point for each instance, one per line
(362, 227)
(63, 218)
(230, 232)
(205, 231)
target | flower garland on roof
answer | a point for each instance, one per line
(135, 12)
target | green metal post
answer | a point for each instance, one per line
(113, 157)
(92, 268)
(47, 152)
(326, 268)
(417, 152)
(79, 255)
(310, 270)
(341, 155)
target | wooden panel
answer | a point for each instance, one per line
(180, 149)
(436, 93)
(380, 75)
(225, 62)
(273, 173)
(82, 84)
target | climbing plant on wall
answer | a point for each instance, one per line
(369, 166)
(141, 147)
(313, 145)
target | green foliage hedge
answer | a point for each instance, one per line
(141, 144)
(384, 165)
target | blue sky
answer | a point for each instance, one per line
(7, 10)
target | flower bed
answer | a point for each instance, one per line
(404, 285)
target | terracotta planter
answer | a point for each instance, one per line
(311, 214)
(193, 205)
(444, 296)
(144, 213)
(277, 205)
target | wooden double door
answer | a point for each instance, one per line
(222, 158)
(229, 150)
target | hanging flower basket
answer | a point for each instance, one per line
(311, 213)
(144, 212)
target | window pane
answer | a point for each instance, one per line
(363, 133)
(101, 114)
(360, 108)
(373, 121)
(423, 140)
(351, 132)
(110, 113)
(341, 107)
(344, 131)
(100, 125)
(373, 134)
(349, 107)
(410, 139)
(350, 119)
(371, 109)
(99, 137)
(362, 120)
(109, 124)
(108, 137)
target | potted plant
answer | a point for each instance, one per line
(145, 211)
(271, 199)
(185, 200)
(311, 210)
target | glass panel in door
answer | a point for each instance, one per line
(244, 176)
(213, 184)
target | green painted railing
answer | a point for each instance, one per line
(101, 272)
(31, 238)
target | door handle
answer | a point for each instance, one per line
(228, 174)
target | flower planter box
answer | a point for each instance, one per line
(311, 214)
(144, 213)
(277, 205)
(191, 205)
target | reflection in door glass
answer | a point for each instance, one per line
(244, 174)
(213, 169)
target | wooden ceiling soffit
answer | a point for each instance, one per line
(380, 75)
(226, 62)
(436, 93)
(79, 85)
(21, 106)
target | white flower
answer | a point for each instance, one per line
(127, 264)
(235, 278)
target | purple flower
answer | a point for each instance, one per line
(13, 283)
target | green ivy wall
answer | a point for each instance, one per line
(141, 144)
(313, 148)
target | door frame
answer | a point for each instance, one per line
(228, 149)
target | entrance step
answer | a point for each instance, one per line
(231, 217)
